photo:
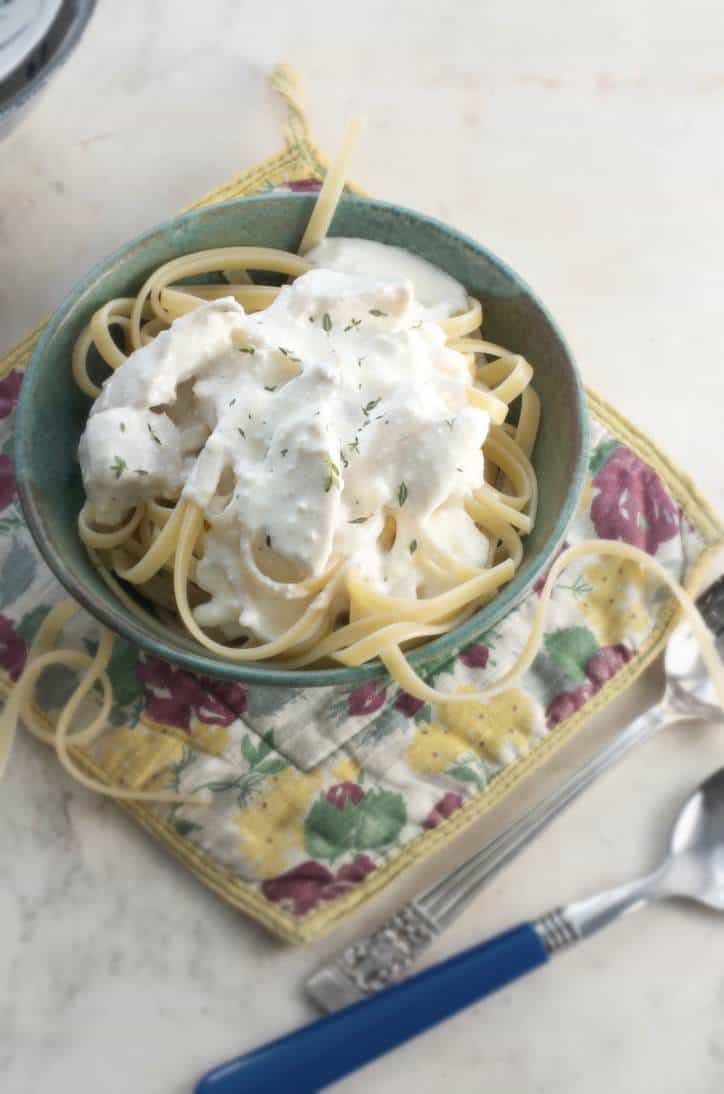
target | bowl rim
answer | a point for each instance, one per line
(78, 14)
(28, 36)
(432, 653)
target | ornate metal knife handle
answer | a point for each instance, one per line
(375, 962)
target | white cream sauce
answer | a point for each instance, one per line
(439, 294)
(299, 431)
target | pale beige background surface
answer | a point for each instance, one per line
(582, 144)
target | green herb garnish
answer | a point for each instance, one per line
(352, 324)
(377, 312)
(370, 406)
(402, 494)
(332, 478)
(248, 349)
(327, 322)
(413, 546)
(358, 520)
(119, 466)
(155, 436)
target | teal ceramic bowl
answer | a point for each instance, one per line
(52, 411)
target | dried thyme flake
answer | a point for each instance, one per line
(118, 466)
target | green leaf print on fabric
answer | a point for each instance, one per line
(570, 649)
(263, 761)
(127, 688)
(261, 758)
(470, 769)
(31, 622)
(254, 754)
(601, 453)
(122, 671)
(372, 822)
(329, 831)
(381, 816)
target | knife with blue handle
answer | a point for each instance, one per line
(320, 1053)
(327, 1050)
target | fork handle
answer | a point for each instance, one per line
(320, 1053)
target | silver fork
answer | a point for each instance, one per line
(388, 954)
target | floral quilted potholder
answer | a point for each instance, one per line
(321, 795)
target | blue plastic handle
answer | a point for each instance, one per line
(323, 1051)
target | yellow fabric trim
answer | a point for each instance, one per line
(287, 82)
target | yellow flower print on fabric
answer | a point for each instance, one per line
(615, 604)
(346, 770)
(208, 738)
(138, 758)
(272, 824)
(503, 725)
(434, 748)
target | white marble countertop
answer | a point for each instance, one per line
(583, 144)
